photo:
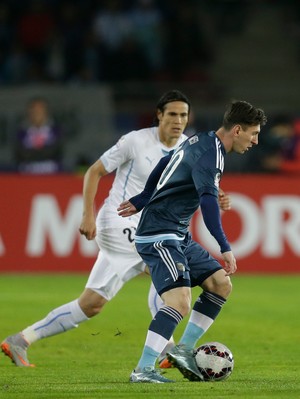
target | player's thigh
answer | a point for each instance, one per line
(117, 237)
(202, 264)
(117, 262)
(167, 264)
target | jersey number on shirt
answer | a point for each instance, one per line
(130, 233)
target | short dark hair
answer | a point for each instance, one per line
(243, 113)
(169, 97)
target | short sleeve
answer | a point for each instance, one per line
(121, 152)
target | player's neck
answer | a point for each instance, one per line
(225, 137)
(168, 141)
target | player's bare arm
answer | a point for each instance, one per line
(90, 186)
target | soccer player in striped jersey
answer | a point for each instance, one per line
(176, 262)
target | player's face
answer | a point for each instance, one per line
(245, 138)
(173, 120)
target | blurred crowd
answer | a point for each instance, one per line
(39, 145)
(112, 40)
(118, 40)
(38, 141)
(278, 151)
(279, 147)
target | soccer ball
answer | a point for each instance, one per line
(215, 361)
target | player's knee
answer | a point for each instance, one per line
(185, 308)
(182, 307)
(180, 302)
(222, 287)
(91, 305)
(219, 284)
(94, 309)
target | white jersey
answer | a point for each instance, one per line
(133, 157)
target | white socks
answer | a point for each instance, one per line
(59, 320)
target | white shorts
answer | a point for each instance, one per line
(117, 262)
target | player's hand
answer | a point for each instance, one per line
(230, 266)
(224, 200)
(126, 209)
(88, 228)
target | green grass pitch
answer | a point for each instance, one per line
(260, 324)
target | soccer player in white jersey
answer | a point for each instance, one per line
(133, 158)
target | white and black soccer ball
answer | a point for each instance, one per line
(215, 361)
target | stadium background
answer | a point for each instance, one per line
(213, 51)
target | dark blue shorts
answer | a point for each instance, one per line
(174, 263)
